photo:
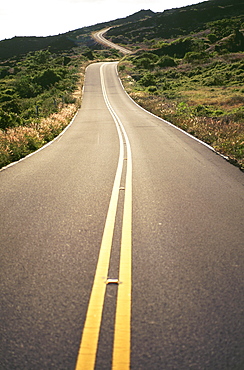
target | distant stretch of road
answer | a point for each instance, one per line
(121, 243)
(98, 36)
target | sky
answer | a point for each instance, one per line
(52, 17)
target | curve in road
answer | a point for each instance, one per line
(186, 230)
(99, 37)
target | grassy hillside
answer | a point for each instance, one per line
(191, 74)
(40, 85)
(39, 94)
(176, 22)
(188, 68)
(67, 42)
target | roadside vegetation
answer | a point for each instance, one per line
(39, 94)
(187, 67)
(195, 82)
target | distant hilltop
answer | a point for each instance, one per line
(20, 45)
(144, 24)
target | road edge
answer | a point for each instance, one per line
(43, 147)
(176, 127)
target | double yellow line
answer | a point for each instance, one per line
(122, 330)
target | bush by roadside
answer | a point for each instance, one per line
(39, 95)
(17, 142)
(184, 95)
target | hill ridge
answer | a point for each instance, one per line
(19, 45)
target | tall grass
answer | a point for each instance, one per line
(17, 142)
(213, 114)
(224, 134)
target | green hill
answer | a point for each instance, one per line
(181, 21)
(81, 37)
(187, 67)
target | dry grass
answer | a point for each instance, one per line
(224, 134)
(17, 142)
(226, 97)
(213, 114)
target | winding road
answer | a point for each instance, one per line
(121, 245)
(99, 37)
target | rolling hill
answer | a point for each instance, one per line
(81, 37)
(187, 67)
(179, 21)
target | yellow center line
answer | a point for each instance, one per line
(122, 331)
(89, 342)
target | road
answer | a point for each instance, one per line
(98, 36)
(125, 203)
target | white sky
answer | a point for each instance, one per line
(51, 17)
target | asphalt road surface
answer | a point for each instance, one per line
(122, 242)
(98, 36)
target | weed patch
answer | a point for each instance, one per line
(17, 142)
(180, 94)
(39, 95)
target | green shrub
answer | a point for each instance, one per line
(145, 60)
(224, 27)
(47, 78)
(151, 56)
(217, 79)
(121, 67)
(206, 111)
(212, 38)
(178, 48)
(5, 97)
(148, 80)
(152, 89)
(166, 61)
(8, 119)
(26, 88)
(144, 63)
(194, 56)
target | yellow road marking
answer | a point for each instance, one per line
(89, 342)
(122, 331)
